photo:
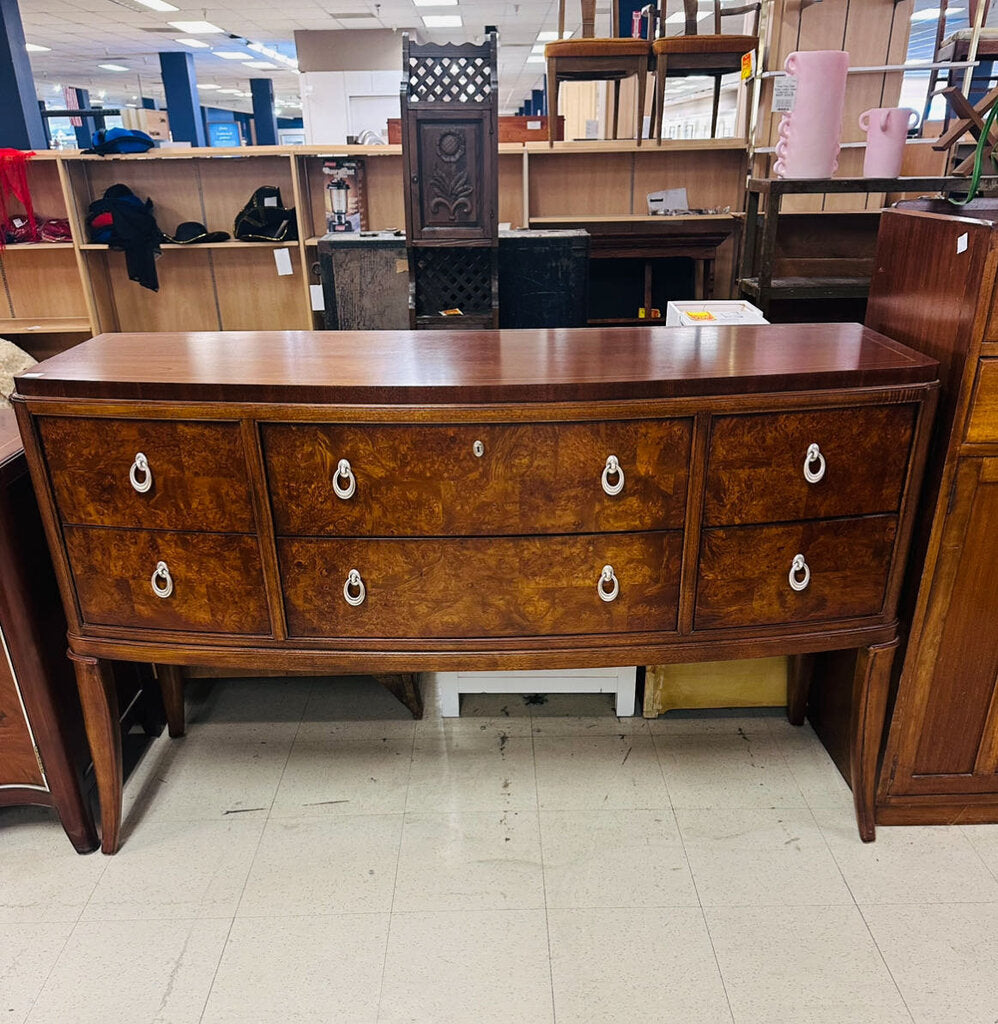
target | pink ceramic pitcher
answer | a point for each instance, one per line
(809, 135)
(886, 131)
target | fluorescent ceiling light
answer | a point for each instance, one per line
(932, 13)
(232, 92)
(266, 51)
(197, 28)
(193, 43)
(157, 5)
(35, 48)
(206, 85)
(442, 20)
(229, 54)
(550, 37)
(260, 65)
(112, 67)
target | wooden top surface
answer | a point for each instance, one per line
(469, 367)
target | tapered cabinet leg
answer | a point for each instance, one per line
(405, 686)
(869, 707)
(799, 673)
(99, 699)
(171, 682)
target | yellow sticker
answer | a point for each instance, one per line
(701, 315)
(748, 64)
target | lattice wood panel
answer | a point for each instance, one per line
(453, 278)
(449, 79)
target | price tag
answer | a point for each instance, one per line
(700, 315)
(784, 93)
(748, 65)
(282, 257)
(318, 299)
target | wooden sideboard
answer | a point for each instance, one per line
(404, 501)
(934, 286)
(42, 747)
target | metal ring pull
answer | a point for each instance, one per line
(140, 465)
(165, 588)
(812, 476)
(344, 471)
(799, 566)
(612, 468)
(605, 577)
(354, 582)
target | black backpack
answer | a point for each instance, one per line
(265, 219)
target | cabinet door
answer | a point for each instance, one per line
(18, 764)
(957, 663)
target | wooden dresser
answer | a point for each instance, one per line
(42, 746)
(934, 286)
(405, 501)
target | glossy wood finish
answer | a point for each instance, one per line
(521, 586)
(217, 580)
(199, 478)
(756, 465)
(982, 427)
(744, 572)
(492, 562)
(429, 481)
(43, 750)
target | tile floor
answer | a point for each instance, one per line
(309, 854)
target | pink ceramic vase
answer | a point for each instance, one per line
(809, 135)
(886, 132)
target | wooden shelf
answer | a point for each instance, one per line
(632, 218)
(810, 287)
(35, 246)
(631, 146)
(46, 325)
(232, 244)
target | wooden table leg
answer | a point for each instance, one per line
(801, 668)
(99, 698)
(171, 682)
(869, 707)
(405, 686)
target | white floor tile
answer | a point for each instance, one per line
(343, 865)
(28, 953)
(231, 701)
(353, 698)
(635, 967)
(944, 958)
(598, 772)
(485, 967)
(346, 768)
(724, 763)
(306, 970)
(123, 972)
(811, 766)
(470, 861)
(760, 858)
(614, 859)
(788, 965)
(929, 864)
(177, 870)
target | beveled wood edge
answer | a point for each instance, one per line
(969, 809)
(505, 412)
(696, 489)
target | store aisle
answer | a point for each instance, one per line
(309, 854)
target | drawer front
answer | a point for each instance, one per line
(982, 427)
(429, 481)
(198, 474)
(215, 582)
(744, 576)
(468, 587)
(756, 466)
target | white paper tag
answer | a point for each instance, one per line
(318, 299)
(533, 126)
(270, 200)
(282, 257)
(962, 242)
(784, 93)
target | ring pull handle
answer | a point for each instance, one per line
(612, 468)
(344, 472)
(814, 464)
(354, 590)
(607, 576)
(140, 465)
(162, 581)
(800, 573)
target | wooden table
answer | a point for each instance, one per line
(432, 501)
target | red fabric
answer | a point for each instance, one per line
(14, 185)
(102, 220)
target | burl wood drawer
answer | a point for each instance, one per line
(208, 583)
(191, 476)
(471, 587)
(775, 467)
(477, 480)
(982, 427)
(796, 572)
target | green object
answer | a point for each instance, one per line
(982, 144)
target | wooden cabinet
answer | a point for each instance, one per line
(479, 501)
(934, 287)
(42, 747)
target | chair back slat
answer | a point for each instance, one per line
(561, 18)
(588, 19)
(691, 16)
